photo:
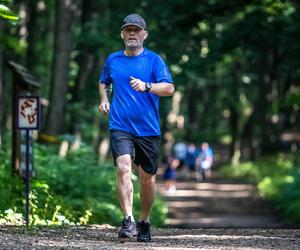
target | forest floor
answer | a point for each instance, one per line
(213, 215)
(104, 237)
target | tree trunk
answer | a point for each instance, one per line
(85, 57)
(32, 38)
(1, 84)
(235, 135)
(267, 78)
(85, 61)
(55, 122)
(193, 97)
(235, 119)
(248, 138)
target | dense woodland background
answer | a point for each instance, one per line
(235, 64)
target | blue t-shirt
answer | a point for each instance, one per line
(133, 111)
(205, 154)
(191, 157)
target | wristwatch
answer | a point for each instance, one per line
(148, 86)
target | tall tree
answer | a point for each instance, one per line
(85, 62)
(55, 121)
(32, 37)
(5, 14)
(1, 81)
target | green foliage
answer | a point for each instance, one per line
(235, 63)
(70, 190)
(11, 217)
(11, 187)
(5, 11)
(277, 178)
(293, 98)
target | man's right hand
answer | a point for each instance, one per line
(104, 108)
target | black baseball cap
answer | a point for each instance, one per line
(134, 19)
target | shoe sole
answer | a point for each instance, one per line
(143, 240)
(125, 235)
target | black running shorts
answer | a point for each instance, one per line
(144, 150)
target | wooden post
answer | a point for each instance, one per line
(23, 84)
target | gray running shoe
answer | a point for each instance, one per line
(128, 228)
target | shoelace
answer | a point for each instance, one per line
(126, 224)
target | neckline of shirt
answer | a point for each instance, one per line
(136, 56)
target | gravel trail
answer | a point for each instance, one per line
(215, 215)
(104, 237)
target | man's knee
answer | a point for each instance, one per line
(148, 180)
(123, 165)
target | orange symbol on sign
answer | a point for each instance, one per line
(27, 110)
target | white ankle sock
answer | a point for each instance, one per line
(127, 216)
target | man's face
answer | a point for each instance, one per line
(133, 37)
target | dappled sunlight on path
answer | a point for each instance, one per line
(216, 205)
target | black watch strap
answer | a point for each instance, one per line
(148, 86)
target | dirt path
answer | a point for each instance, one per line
(102, 237)
(215, 215)
(217, 205)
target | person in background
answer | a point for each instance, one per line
(180, 151)
(139, 77)
(169, 176)
(206, 161)
(190, 160)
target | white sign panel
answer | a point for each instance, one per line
(28, 112)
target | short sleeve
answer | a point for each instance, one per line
(105, 74)
(162, 73)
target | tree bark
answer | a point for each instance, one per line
(247, 137)
(55, 122)
(85, 61)
(193, 97)
(85, 58)
(260, 110)
(235, 115)
(235, 135)
(268, 93)
(32, 38)
(1, 84)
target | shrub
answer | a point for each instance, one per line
(277, 178)
(75, 189)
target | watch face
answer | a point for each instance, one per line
(148, 86)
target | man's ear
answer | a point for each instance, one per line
(145, 35)
(122, 34)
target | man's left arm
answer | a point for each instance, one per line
(160, 88)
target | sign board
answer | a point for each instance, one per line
(27, 118)
(28, 112)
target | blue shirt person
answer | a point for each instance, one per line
(206, 160)
(191, 156)
(135, 110)
(138, 77)
(180, 152)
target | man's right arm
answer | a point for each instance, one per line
(104, 92)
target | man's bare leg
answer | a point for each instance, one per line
(147, 193)
(124, 184)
